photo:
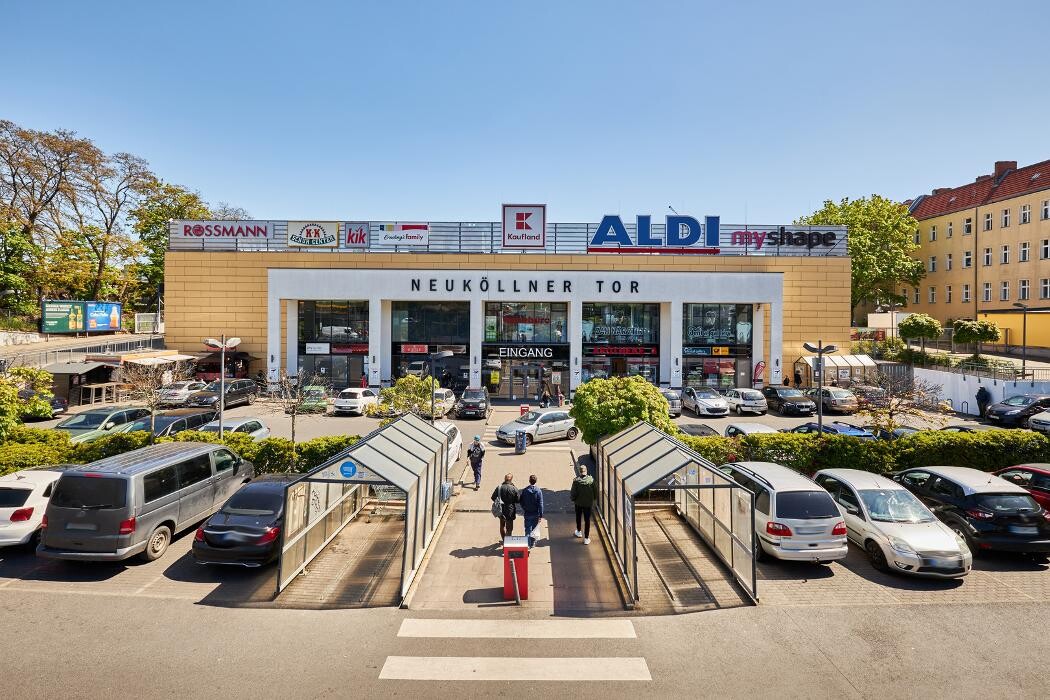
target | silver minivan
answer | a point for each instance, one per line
(136, 502)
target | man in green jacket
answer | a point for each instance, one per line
(584, 493)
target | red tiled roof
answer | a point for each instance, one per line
(1014, 183)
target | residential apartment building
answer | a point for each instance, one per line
(986, 247)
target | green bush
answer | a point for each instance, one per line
(719, 450)
(605, 406)
(15, 456)
(272, 456)
(794, 450)
(25, 435)
(844, 452)
(987, 450)
(110, 445)
(240, 443)
(313, 453)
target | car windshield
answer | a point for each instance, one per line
(895, 506)
(474, 394)
(89, 493)
(87, 421)
(313, 393)
(839, 394)
(802, 505)
(529, 418)
(253, 502)
(178, 386)
(788, 393)
(1007, 502)
(159, 423)
(1019, 401)
(13, 498)
(213, 386)
(670, 395)
(350, 394)
(750, 394)
(704, 393)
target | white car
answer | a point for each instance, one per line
(740, 429)
(355, 400)
(417, 368)
(1040, 422)
(540, 426)
(444, 401)
(749, 400)
(455, 440)
(704, 401)
(249, 426)
(896, 530)
(23, 500)
(176, 393)
(795, 519)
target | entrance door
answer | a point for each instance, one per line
(619, 367)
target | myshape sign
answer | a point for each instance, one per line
(682, 234)
(313, 234)
(524, 226)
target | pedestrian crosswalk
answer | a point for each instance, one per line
(501, 668)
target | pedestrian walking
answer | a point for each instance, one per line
(506, 497)
(364, 381)
(476, 454)
(798, 378)
(984, 399)
(531, 500)
(584, 493)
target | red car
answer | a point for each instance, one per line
(1035, 478)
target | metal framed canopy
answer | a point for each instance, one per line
(408, 454)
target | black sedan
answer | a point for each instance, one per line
(788, 401)
(246, 531)
(1016, 410)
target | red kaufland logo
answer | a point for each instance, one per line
(524, 226)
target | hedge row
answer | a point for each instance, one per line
(987, 450)
(34, 447)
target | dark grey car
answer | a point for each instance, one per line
(238, 391)
(136, 502)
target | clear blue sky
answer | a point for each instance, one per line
(444, 110)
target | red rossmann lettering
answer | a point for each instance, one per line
(225, 230)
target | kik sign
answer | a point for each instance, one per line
(682, 234)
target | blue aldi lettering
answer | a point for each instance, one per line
(683, 233)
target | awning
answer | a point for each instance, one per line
(161, 360)
(73, 367)
(843, 361)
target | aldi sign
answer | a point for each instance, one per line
(313, 234)
(681, 235)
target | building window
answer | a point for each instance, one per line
(948, 262)
(933, 263)
(933, 295)
(1004, 255)
(917, 239)
(986, 291)
(526, 322)
(1004, 290)
(950, 225)
(1022, 254)
(1026, 213)
(916, 295)
(1046, 209)
(967, 258)
(628, 324)
(987, 257)
(1005, 222)
(947, 294)
(967, 226)
(988, 222)
(1022, 290)
(716, 324)
(1044, 249)
(429, 322)
(966, 294)
(1044, 288)
(933, 233)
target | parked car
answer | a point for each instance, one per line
(444, 401)
(103, 418)
(795, 519)
(314, 399)
(1016, 410)
(246, 530)
(23, 500)
(832, 428)
(1040, 422)
(750, 400)
(355, 401)
(474, 402)
(238, 391)
(163, 424)
(253, 427)
(869, 395)
(987, 511)
(969, 428)
(539, 426)
(893, 527)
(1033, 478)
(417, 368)
(895, 434)
(788, 401)
(738, 429)
(134, 503)
(176, 393)
(835, 399)
(455, 439)
(674, 402)
(59, 405)
(704, 401)
(698, 430)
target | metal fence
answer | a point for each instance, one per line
(43, 358)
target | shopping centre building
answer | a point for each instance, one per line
(681, 302)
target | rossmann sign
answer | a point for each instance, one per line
(262, 230)
(685, 235)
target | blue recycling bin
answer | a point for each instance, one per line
(520, 442)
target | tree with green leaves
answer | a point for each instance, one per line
(409, 394)
(606, 406)
(976, 332)
(881, 246)
(921, 326)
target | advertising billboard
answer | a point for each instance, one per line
(80, 316)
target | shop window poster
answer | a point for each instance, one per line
(490, 328)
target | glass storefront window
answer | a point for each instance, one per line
(333, 321)
(526, 322)
(716, 373)
(717, 324)
(621, 324)
(445, 322)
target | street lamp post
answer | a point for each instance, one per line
(222, 346)
(820, 349)
(430, 370)
(1024, 336)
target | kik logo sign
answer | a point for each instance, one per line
(682, 234)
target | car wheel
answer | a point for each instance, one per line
(961, 532)
(760, 553)
(571, 433)
(876, 556)
(157, 544)
(528, 440)
(251, 399)
(739, 410)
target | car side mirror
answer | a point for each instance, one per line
(851, 509)
(109, 426)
